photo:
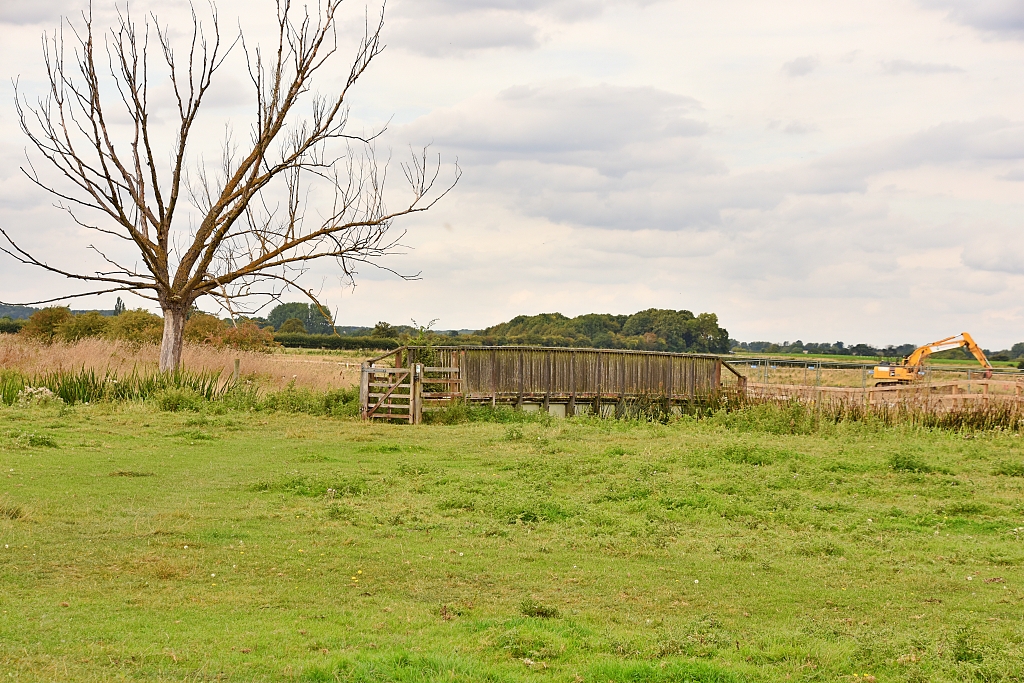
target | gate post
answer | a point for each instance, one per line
(416, 395)
(364, 389)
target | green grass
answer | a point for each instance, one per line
(140, 544)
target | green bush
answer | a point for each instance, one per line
(83, 325)
(176, 400)
(10, 326)
(338, 403)
(136, 327)
(292, 326)
(45, 324)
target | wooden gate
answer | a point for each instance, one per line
(391, 393)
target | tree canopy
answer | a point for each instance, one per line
(652, 330)
(312, 319)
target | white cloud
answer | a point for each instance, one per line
(31, 11)
(440, 28)
(801, 66)
(895, 67)
(999, 17)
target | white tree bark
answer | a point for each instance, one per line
(174, 337)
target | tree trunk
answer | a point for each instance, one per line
(174, 335)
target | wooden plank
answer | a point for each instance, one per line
(388, 371)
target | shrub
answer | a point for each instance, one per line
(175, 400)
(10, 326)
(202, 328)
(136, 327)
(293, 326)
(45, 324)
(37, 396)
(248, 337)
(339, 403)
(83, 325)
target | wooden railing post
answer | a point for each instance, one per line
(547, 381)
(522, 379)
(571, 409)
(494, 377)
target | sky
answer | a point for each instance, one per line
(806, 170)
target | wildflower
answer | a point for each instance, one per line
(213, 575)
(696, 580)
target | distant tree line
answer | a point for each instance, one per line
(60, 324)
(650, 330)
(289, 324)
(1016, 352)
(833, 349)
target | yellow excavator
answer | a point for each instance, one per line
(912, 368)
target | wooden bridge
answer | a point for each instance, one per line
(403, 383)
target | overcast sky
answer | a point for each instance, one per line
(822, 171)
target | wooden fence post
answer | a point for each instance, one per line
(571, 409)
(522, 379)
(416, 395)
(494, 377)
(547, 381)
(364, 389)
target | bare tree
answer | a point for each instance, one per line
(300, 188)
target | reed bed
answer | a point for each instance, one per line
(795, 416)
(273, 371)
(86, 386)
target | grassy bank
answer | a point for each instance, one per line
(142, 544)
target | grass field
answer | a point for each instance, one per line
(145, 545)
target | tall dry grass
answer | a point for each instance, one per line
(273, 370)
